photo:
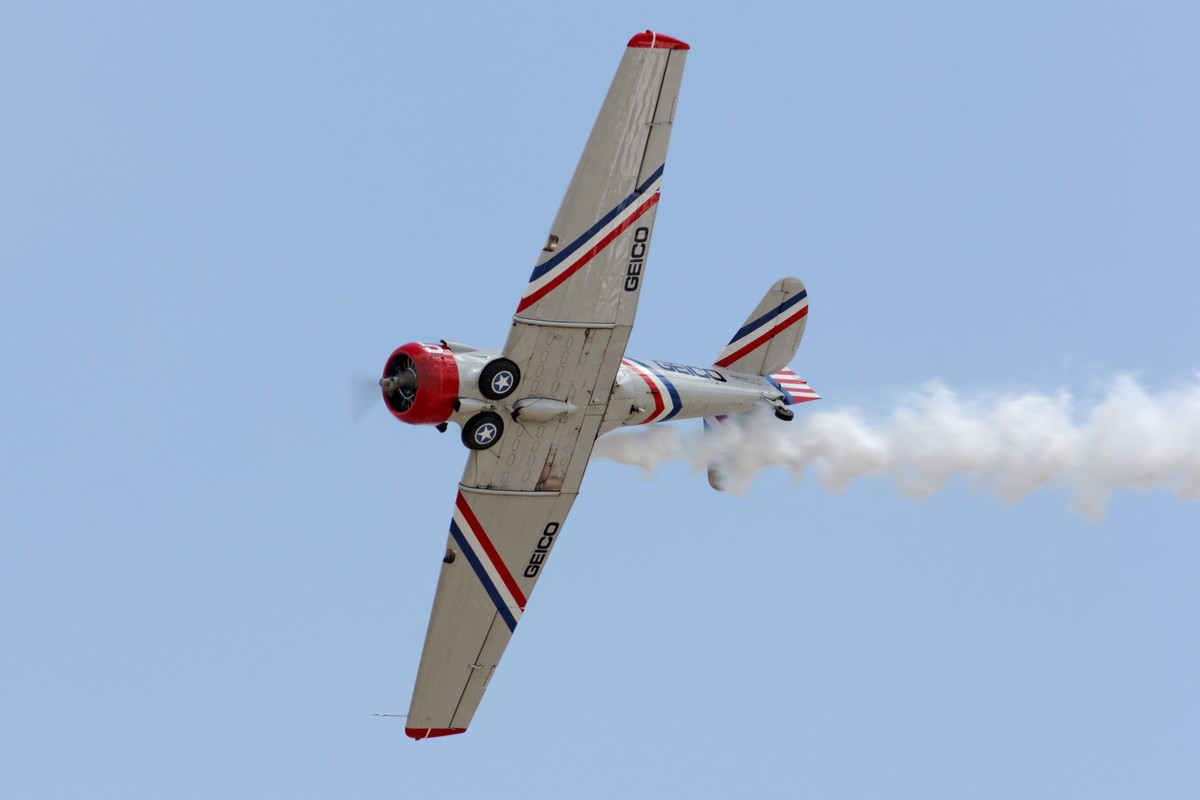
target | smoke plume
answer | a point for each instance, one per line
(1008, 445)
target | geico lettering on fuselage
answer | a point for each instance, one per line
(637, 259)
(684, 369)
(538, 557)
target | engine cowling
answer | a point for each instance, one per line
(420, 383)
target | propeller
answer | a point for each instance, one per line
(364, 395)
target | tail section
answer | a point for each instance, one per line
(770, 336)
(763, 346)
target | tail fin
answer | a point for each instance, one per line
(770, 336)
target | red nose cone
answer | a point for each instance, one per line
(431, 401)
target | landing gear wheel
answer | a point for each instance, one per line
(784, 413)
(482, 430)
(499, 379)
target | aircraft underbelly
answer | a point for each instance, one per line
(562, 364)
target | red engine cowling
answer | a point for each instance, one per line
(420, 383)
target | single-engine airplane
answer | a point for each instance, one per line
(531, 412)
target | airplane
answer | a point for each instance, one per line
(531, 412)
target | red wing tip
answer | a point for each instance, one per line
(429, 733)
(652, 39)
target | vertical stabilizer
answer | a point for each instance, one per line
(771, 334)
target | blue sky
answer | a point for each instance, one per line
(213, 216)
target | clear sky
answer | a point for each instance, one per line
(214, 215)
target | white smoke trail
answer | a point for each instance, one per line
(1009, 445)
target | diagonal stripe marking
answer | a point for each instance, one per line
(755, 344)
(770, 315)
(566, 273)
(484, 578)
(657, 395)
(567, 251)
(490, 551)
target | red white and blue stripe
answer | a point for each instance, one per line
(758, 332)
(576, 255)
(666, 397)
(474, 543)
(794, 389)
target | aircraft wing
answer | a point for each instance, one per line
(568, 337)
(497, 548)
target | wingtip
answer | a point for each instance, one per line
(431, 733)
(651, 39)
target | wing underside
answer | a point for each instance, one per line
(583, 274)
(497, 547)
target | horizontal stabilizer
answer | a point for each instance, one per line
(794, 389)
(714, 473)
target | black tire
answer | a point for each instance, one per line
(784, 413)
(499, 379)
(482, 430)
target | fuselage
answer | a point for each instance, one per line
(656, 391)
(445, 388)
